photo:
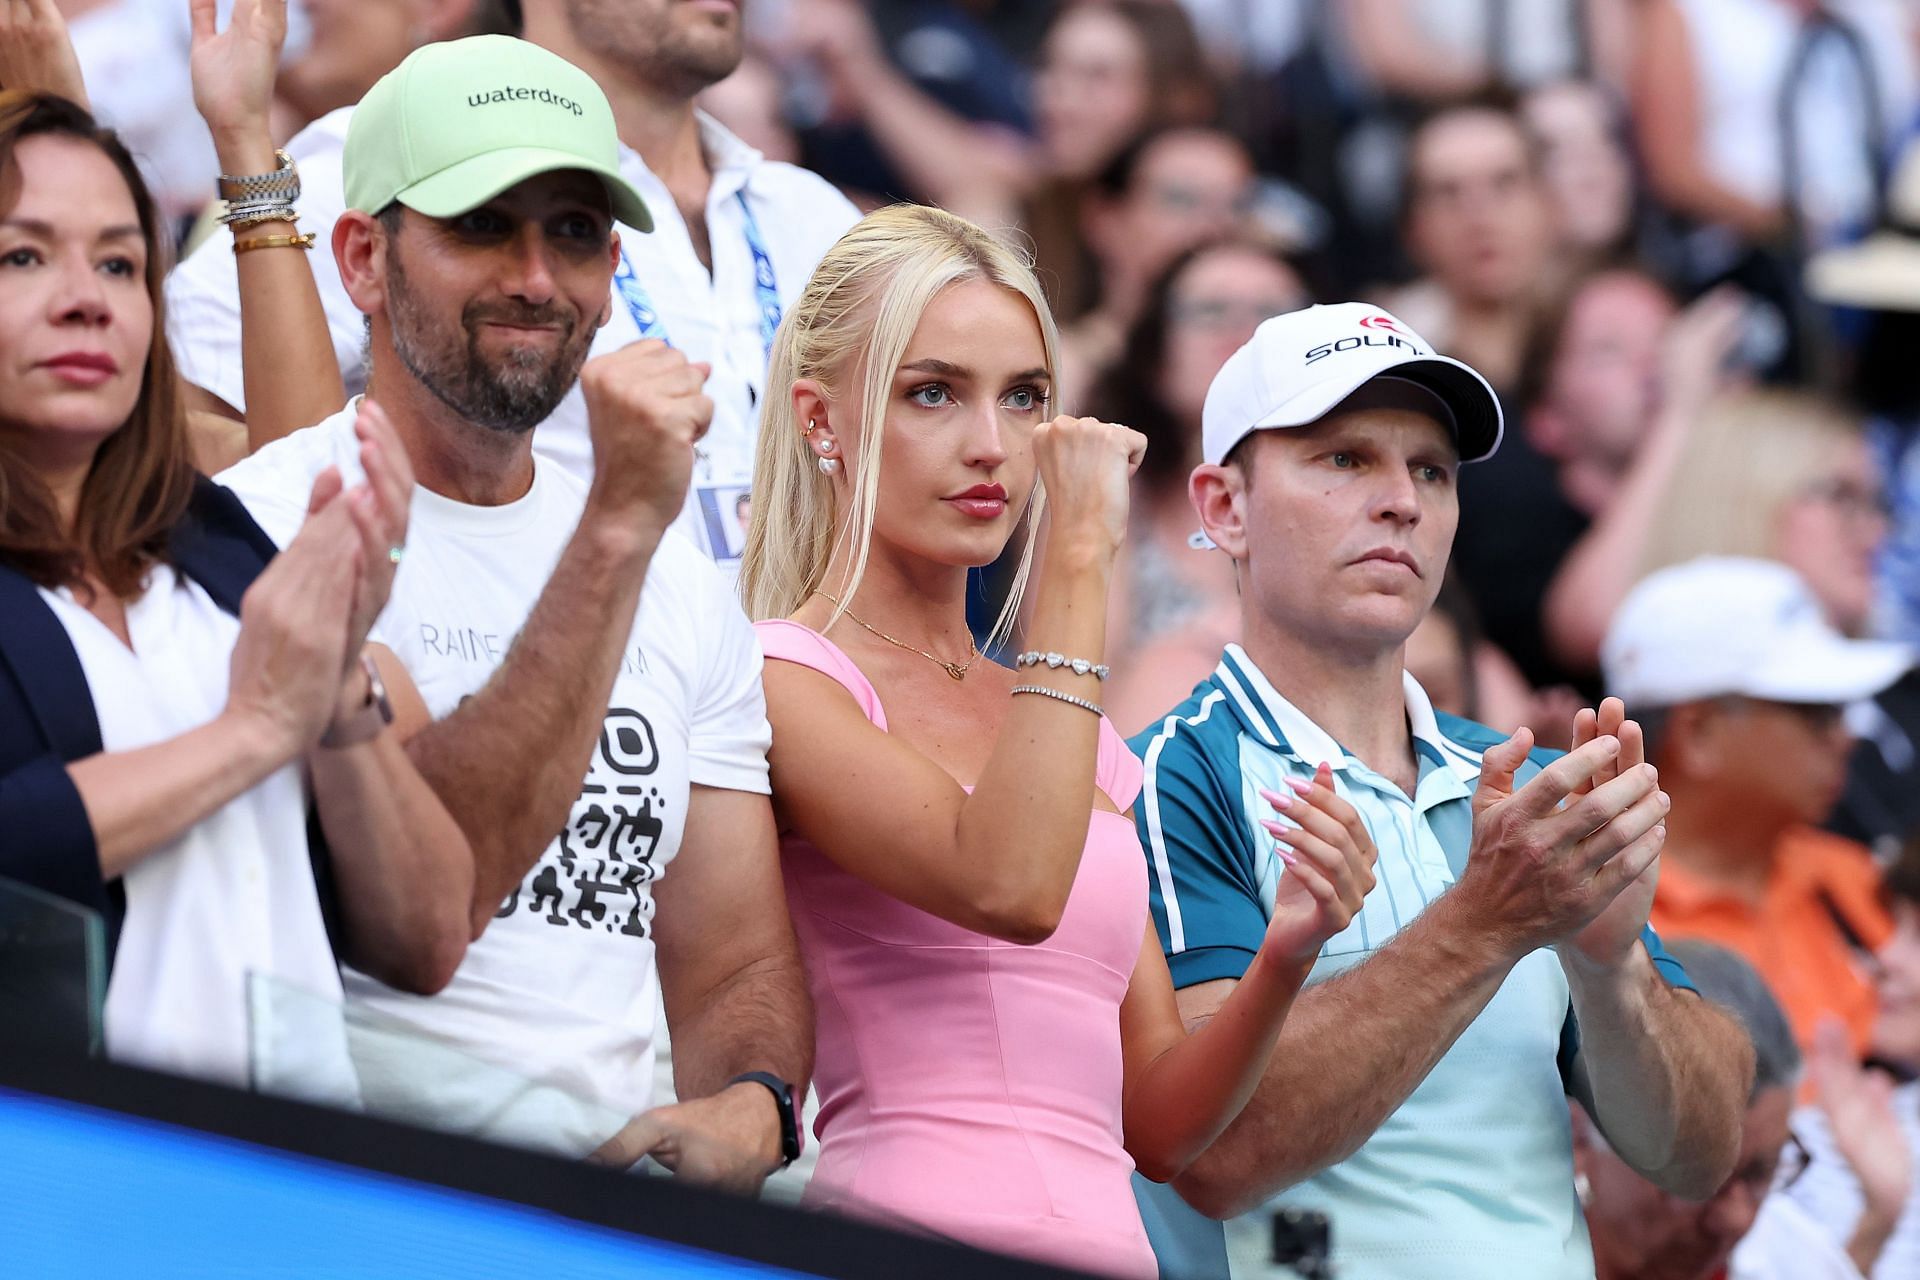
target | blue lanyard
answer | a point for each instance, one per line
(647, 318)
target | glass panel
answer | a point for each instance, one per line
(300, 1038)
(53, 972)
(310, 1047)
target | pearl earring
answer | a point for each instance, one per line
(828, 465)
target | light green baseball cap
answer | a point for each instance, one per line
(458, 122)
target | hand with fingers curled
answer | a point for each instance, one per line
(1330, 858)
(1086, 465)
(646, 409)
(1549, 860)
(728, 1141)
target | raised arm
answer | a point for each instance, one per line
(401, 864)
(1183, 1088)
(1357, 1045)
(1390, 50)
(1667, 125)
(291, 376)
(919, 136)
(508, 761)
(1002, 860)
(1663, 1073)
(1603, 566)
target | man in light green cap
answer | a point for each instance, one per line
(542, 631)
(455, 130)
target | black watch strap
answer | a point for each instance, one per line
(789, 1111)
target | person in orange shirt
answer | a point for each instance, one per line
(1742, 686)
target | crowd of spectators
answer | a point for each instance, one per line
(1679, 238)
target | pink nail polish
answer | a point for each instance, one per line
(1286, 855)
(1275, 798)
(1304, 786)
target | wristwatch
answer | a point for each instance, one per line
(789, 1111)
(364, 723)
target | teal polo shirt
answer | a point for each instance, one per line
(1473, 1176)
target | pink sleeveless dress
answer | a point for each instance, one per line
(969, 1086)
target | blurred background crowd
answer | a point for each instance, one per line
(1680, 237)
(1676, 235)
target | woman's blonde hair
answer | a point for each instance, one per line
(852, 324)
(1750, 454)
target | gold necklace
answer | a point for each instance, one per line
(957, 670)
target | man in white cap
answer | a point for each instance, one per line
(1745, 688)
(1418, 1093)
(574, 679)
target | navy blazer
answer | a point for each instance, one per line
(47, 719)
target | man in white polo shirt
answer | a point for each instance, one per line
(1417, 1095)
(571, 676)
(734, 239)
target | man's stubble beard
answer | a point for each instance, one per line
(511, 396)
(646, 44)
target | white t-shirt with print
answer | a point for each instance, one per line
(711, 316)
(546, 1034)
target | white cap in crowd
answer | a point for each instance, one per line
(1299, 366)
(1724, 625)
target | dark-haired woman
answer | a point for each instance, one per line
(1173, 607)
(190, 743)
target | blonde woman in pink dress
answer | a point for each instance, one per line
(998, 1045)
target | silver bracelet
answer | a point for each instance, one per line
(252, 211)
(284, 179)
(1063, 697)
(1079, 666)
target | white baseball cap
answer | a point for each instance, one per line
(1299, 366)
(1725, 625)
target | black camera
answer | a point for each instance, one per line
(1302, 1240)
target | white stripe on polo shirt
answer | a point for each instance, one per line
(1224, 673)
(1157, 844)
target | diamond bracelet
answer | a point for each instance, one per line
(1059, 697)
(1079, 666)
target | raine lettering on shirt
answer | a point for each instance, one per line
(473, 645)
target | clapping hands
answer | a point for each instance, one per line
(305, 619)
(1617, 928)
(1329, 857)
